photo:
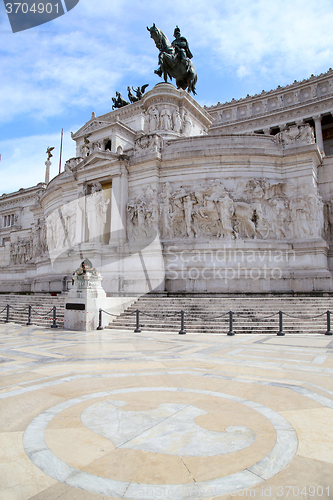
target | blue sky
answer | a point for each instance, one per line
(53, 76)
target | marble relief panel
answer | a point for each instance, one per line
(255, 208)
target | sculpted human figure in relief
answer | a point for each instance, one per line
(96, 208)
(165, 210)
(152, 207)
(153, 119)
(177, 121)
(191, 227)
(165, 118)
(299, 217)
(226, 211)
(187, 127)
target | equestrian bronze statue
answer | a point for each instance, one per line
(174, 59)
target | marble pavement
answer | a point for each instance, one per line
(111, 414)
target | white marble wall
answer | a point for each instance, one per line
(175, 198)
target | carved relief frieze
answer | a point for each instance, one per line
(257, 209)
(295, 136)
(168, 118)
(26, 250)
(151, 143)
(143, 215)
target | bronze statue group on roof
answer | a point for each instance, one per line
(174, 61)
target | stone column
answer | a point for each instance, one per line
(119, 201)
(47, 171)
(319, 132)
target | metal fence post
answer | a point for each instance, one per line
(100, 320)
(137, 329)
(7, 314)
(328, 332)
(230, 332)
(54, 324)
(182, 330)
(280, 332)
(29, 317)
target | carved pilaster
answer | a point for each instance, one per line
(319, 132)
(119, 201)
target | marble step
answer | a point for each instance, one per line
(42, 314)
(245, 328)
(163, 313)
(253, 330)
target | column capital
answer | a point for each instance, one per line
(317, 117)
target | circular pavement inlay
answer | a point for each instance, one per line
(152, 430)
(169, 429)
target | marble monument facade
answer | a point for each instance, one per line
(166, 195)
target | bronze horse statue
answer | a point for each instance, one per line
(174, 59)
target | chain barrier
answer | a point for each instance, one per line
(18, 310)
(42, 314)
(231, 315)
(110, 314)
(137, 312)
(304, 317)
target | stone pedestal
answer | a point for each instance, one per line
(84, 300)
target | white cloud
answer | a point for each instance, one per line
(79, 60)
(242, 71)
(282, 37)
(95, 46)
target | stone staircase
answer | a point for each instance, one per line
(42, 305)
(249, 314)
(203, 314)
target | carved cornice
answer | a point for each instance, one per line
(95, 125)
(276, 117)
(306, 96)
(15, 199)
(21, 195)
(90, 126)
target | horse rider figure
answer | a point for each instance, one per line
(174, 59)
(181, 45)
